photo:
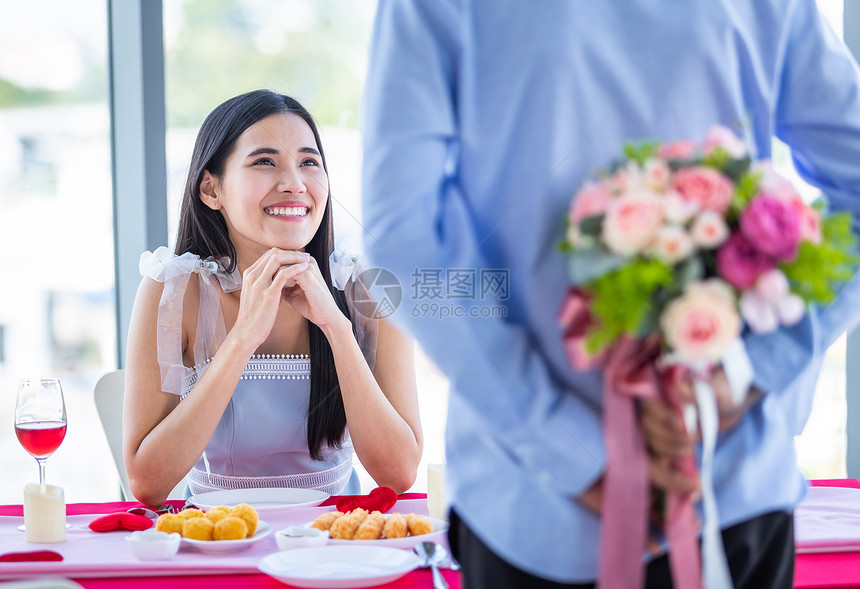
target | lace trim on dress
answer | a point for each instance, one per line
(260, 367)
(331, 481)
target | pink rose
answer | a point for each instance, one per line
(809, 220)
(632, 222)
(700, 324)
(591, 200)
(720, 136)
(771, 226)
(672, 244)
(705, 186)
(740, 263)
(709, 230)
(678, 150)
(657, 174)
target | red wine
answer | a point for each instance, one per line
(41, 438)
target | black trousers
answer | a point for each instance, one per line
(760, 553)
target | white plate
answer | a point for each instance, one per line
(440, 528)
(261, 499)
(337, 567)
(213, 546)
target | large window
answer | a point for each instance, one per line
(56, 236)
(315, 51)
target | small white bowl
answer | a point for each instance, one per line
(300, 537)
(152, 545)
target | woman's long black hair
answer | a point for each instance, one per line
(203, 231)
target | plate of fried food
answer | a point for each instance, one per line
(394, 530)
(220, 529)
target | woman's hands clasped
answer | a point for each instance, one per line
(287, 275)
(308, 293)
(263, 283)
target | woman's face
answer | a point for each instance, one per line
(273, 190)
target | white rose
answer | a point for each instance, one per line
(673, 244)
(709, 229)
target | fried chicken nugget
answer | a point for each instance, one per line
(197, 528)
(418, 524)
(230, 528)
(191, 512)
(216, 514)
(247, 513)
(370, 528)
(395, 526)
(325, 521)
(170, 523)
(344, 528)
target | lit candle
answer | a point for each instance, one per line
(437, 500)
(44, 513)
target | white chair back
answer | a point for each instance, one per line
(108, 395)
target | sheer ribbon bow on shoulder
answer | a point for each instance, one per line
(175, 272)
(346, 275)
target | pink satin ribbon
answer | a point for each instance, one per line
(629, 372)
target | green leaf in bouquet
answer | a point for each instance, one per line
(689, 270)
(623, 300)
(746, 188)
(592, 226)
(718, 158)
(587, 264)
(735, 169)
(641, 152)
(818, 269)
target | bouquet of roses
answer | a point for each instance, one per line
(673, 251)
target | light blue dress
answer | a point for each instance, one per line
(261, 440)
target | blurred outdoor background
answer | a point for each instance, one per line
(57, 315)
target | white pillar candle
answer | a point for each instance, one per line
(44, 513)
(437, 499)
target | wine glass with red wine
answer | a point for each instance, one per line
(40, 418)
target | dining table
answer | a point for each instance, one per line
(812, 571)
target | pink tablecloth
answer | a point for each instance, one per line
(812, 570)
(414, 580)
(838, 569)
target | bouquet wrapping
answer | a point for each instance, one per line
(673, 252)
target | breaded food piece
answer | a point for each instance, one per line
(371, 527)
(216, 514)
(191, 512)
(325, 521)
(197, 528)
(395, 526)
(418, 524)
(230, 528)
(170, 523)
(344, 528)
(247, 513)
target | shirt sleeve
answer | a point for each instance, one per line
(817, 114)
(418, 217)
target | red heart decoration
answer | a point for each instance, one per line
(120, 521)
(380, 499)
(37, 555)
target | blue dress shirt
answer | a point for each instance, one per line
(482, 118)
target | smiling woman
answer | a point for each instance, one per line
(250, 374)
